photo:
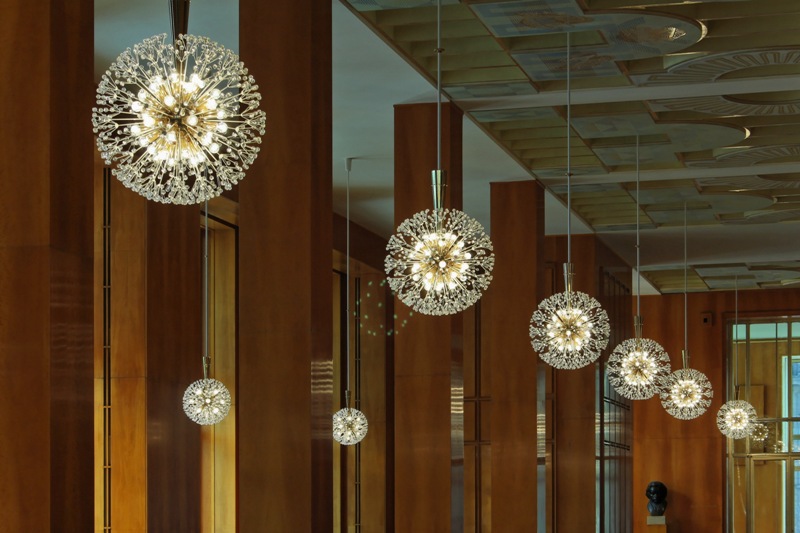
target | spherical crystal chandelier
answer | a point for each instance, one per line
(735, 419)
(179, 119)
(759, 432)
(440, 261)
(207, 401)
(637, 366)
(686, 394)
(349, 425)
(570, 329)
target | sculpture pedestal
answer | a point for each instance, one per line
(656, 524)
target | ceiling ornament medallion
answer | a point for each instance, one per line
(440, 261)
(711, 68)
(180, 120)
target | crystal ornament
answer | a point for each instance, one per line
(349, 426)
(569, 330)
(759, 432)
(686, 394)
(181, 121)
(439, 262)
(207, 401)
(637, 367)
(735, 419)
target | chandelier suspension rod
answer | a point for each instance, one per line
(348, 162)
(638, 242)
(439, 84)
(569, 153)
(179, 17)
(685, 291)
(206, 357)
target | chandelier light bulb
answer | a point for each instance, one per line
(181, 121)
(686, 394)
(349, 426)
(207, 401)
(637, 367)
(439, 262)
(569, 330)
(735, 419)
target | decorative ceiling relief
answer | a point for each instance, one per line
(374, 5)
(750, 156)
(610, 36)
(747, 63)
(750, 275)
(662, 141)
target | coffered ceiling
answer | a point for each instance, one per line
(711, 90)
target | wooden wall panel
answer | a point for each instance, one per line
(285, 360)
(689, 456)
(174, 361)
(46, 196)
(428, 347)
(518, 238)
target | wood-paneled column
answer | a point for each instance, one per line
(46, 246)
(428, 351)
(285, 323)
(517, 213)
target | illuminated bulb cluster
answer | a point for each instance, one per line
(637, 367)
(349, 426)
(180, 121)
(735, 419)
(569, 330)
(439, 268)
(206, 401)
(759, 432)
(686, 394)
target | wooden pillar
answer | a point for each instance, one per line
(428, 351)
(46, 243)
(285, 242)
(517, 211)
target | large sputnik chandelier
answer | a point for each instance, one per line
(736, 418)
(569, 329)
(179, 118)
(440, 261)
(686, 393)
(349, 424)
(637, 366)
(206, 401)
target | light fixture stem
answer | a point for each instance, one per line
(348, 166)
(685, 290)
(736, 337)
(438, 175)
(638, 242)
(179, 17)
(439, 84)
(569, 153)
(206, 357)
